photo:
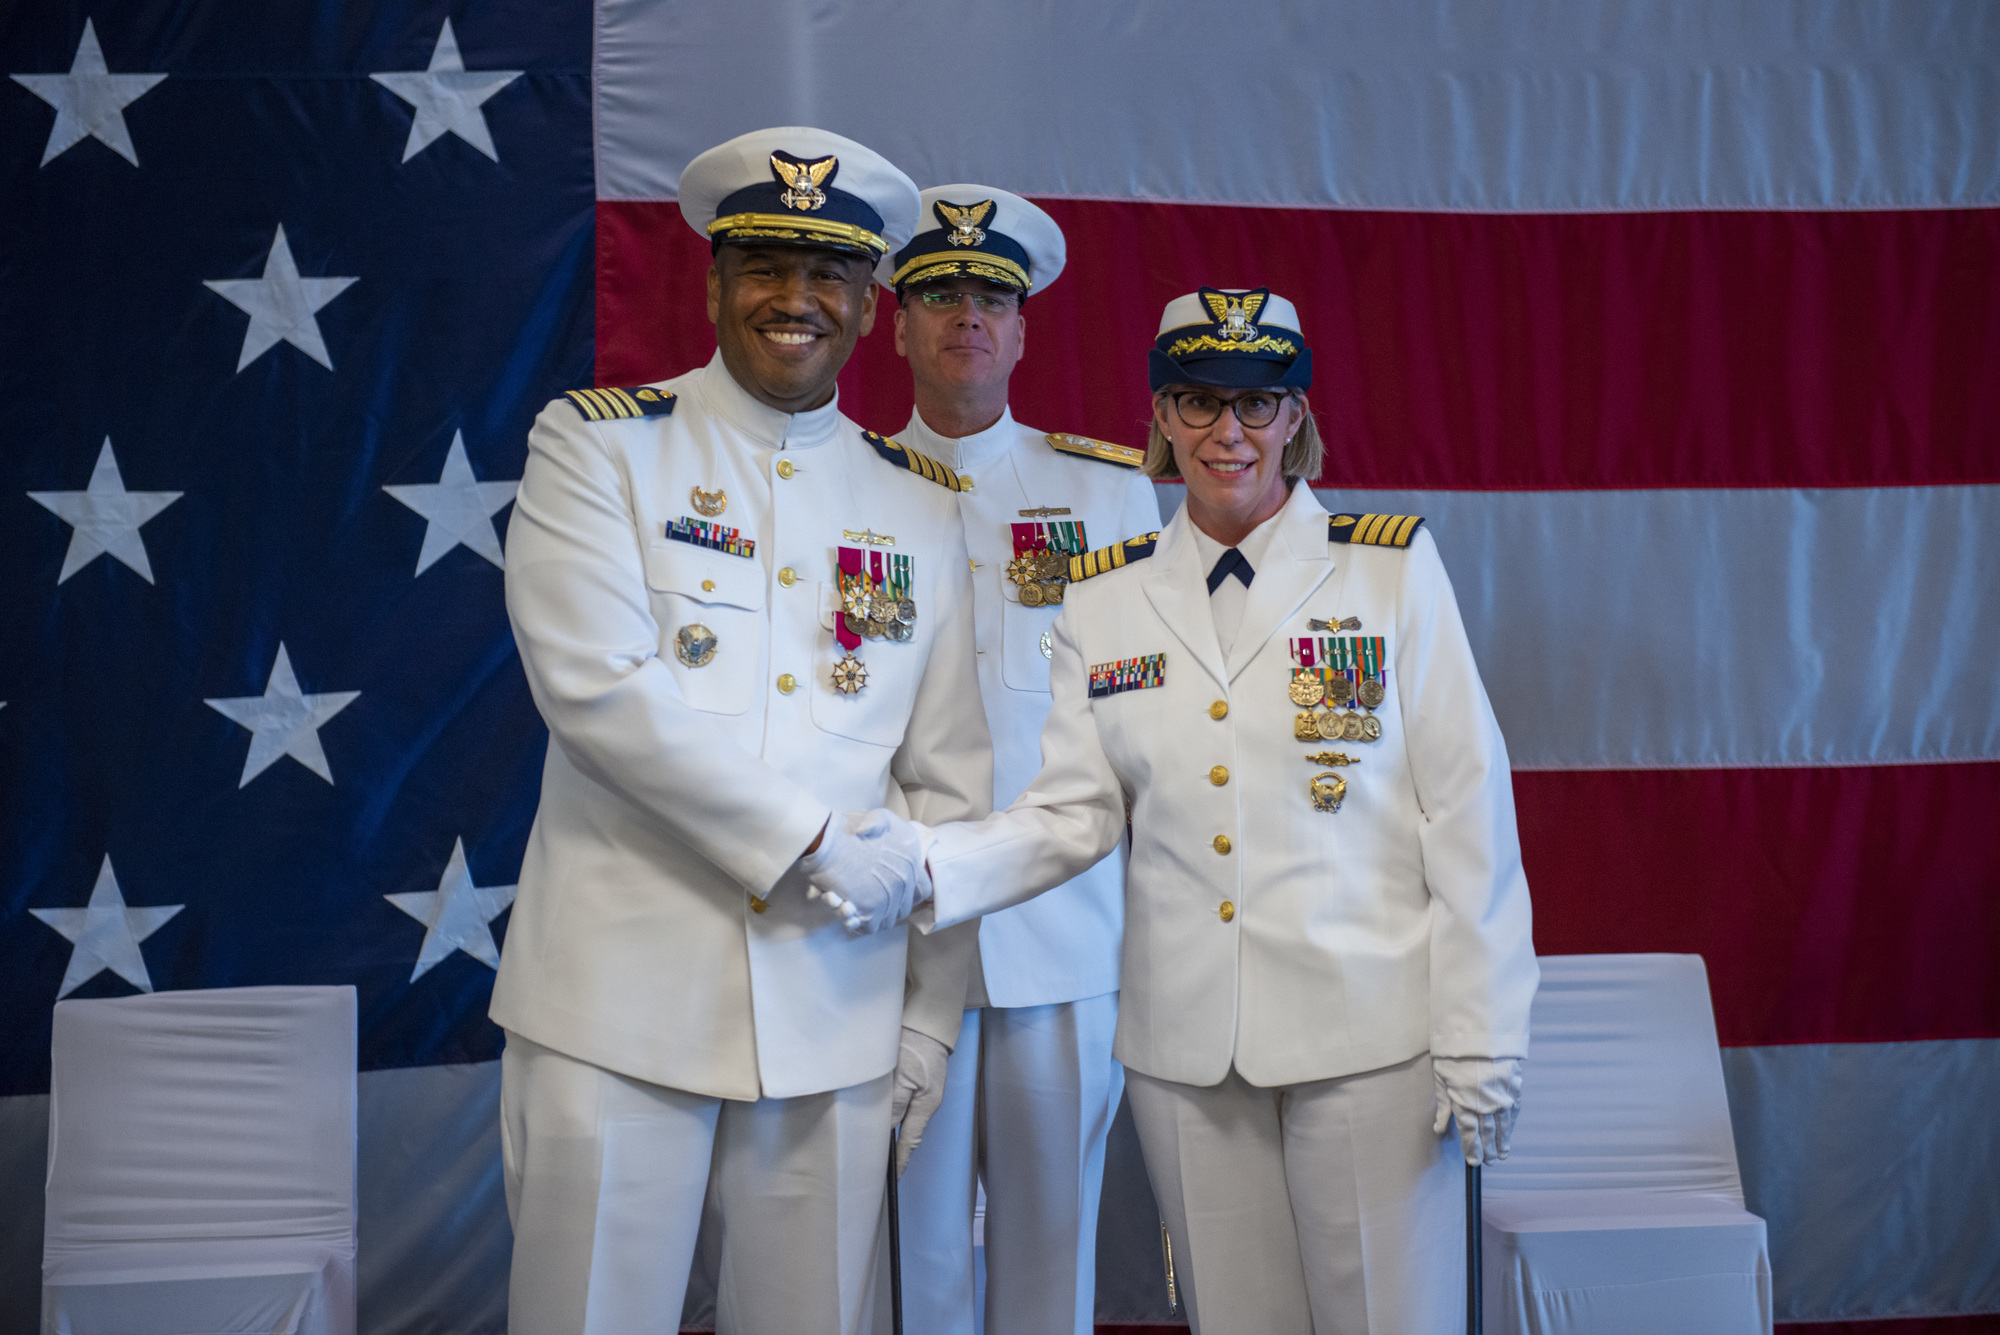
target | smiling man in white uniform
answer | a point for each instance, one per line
(738, 613)
(1033, 1085)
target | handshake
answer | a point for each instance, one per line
(869, 868)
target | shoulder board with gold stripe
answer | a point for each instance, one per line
(1101, 450)
(921, 464)
(1112, 557)
(607, 404)
(1373, 530)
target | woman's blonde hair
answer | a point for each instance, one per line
(1304, 456)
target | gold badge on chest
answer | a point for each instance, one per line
(709, 503)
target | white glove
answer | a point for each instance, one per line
(1484, 1095)
(869, 868)
(920, 1068)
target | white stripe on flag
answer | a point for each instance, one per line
(1513, 105)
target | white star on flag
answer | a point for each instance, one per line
(106, 517)
(447, 98)
(283, 721)
(106, 934)
(460, 508)
(455, 915)
(90, 101)
(281, 305)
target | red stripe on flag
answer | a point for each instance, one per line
(1832, 905)
(1484, 351)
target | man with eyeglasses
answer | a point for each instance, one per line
(1032, 1085)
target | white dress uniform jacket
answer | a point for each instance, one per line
(1352, 940)
(1063, 945)
(661, 929)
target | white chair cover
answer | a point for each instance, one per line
(202, 1164)
(1620, 1207)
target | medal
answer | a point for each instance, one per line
(1042, 551)
(1373, 693)
(1052, 594)
(1327, 727)
(1353, 730)
(1327, 791)
(1305, 726)
(906, 612)
(694, 645)
(1306, 688)
(1371, 728)
(1339, 691)
(850, 674)
(1031, 595)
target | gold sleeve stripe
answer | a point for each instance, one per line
(609, 403)
(1112, 557)
(1373, 530)
(921, 464)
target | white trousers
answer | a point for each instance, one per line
(1028, 1102)
(1326, 1208)
(606, 1179)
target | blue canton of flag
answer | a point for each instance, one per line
(284, 288)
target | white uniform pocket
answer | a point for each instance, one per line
(1023, 665)
(695, 586)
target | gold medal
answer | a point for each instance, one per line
(1306, 689)
(855, 625)
(850, 674)
(708, 502)
(1328, 791)
(1021, 569)
(1339, 691)
(1031, 595)
(1305, 726)
(1373, 693)
(694, 645)
(1328, 727)
(1353, 729)
(1052, 594)
(1371, 729)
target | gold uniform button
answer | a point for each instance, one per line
(1228, 910)
(708, 586)
(1222, 843)
(787, 683)
(1219, 709)
(964, 482)
(1219, 775)
(784, 468)
(788, 577)
(758, 906)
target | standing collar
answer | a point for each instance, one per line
(760, 421)
(963, 452)
(1256, 544)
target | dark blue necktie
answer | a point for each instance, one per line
(1232, 562)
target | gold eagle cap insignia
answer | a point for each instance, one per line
(964, 220)
(803, 180)
(1235, 315)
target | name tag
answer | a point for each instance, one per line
(1127, 674)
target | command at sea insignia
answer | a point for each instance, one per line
(610, 403)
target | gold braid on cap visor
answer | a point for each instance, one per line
(789, 227)
(944, 264)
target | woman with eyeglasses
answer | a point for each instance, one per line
(1327, 954)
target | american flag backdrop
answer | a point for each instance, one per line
(1678, 319)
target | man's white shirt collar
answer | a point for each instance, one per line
(966, 451)
(765, 425)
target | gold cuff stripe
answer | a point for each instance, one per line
(994, 268)
(785, 227)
